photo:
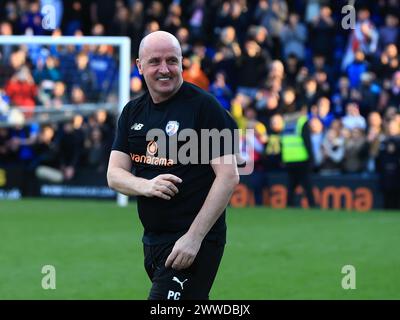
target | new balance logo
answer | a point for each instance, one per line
(180, 282)
(137, 126)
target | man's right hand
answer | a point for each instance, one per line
(163, 186)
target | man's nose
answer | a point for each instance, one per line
(164, 67)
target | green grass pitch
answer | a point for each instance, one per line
(271, 254)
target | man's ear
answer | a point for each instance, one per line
(139, 65)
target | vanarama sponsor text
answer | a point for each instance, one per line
(156, 161)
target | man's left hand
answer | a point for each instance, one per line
(184, 252)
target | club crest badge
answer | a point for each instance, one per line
(172, 127)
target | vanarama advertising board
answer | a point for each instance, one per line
(350, 192)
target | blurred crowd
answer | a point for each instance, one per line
(261, 59)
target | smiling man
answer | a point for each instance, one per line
(181, 205)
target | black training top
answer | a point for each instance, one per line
(190, 108)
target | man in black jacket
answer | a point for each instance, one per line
(181, 205)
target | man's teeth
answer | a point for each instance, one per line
(164, 79)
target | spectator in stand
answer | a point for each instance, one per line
(105, 124)
(251, 68)
(375, 137)
(58, 98)
(356, 68)
(11, 14)
(341, 97)
(228, 50)
(249, 121)
(319, 64)
(83, 77)
(102, 13)
(71, 146)
(121, 24)
(46, 78)
(37, 55)
(317, 136)
(155, 12)
(257, 143)
(46, 149)
(246, 118)
(309, 93)
(333, 152)
(136, 86)
(75, 17)
(394, 93)
(22, 139)
(324, 88)
(337, 126)
(322, 111)
(292, 72)
(49, 71)
(388, 166)
(239, 103)
(353, 119)
(288, 101)
(356, 152)
(78, 96)
(239, 17)
(97, 151)
(222, 16)
(294, 37)
(272, 15)
(363, 38)
(277, 70)
(137, 20)
(67, 59)
(182, 34)
(221, 90)
(200, 50)
(195, 75)
(276, 77)
(389, 33)
(389, 115)
(173, 21)
(369, 92)
(260, 35)
(267, 103)
(323, 28)
(388, 63)
(31, 20)
(323, 74)
(272, 158)
(98, 30)
(22, 91)
(151, 26)
(6, 29)
(16, 61)
(104, 68)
